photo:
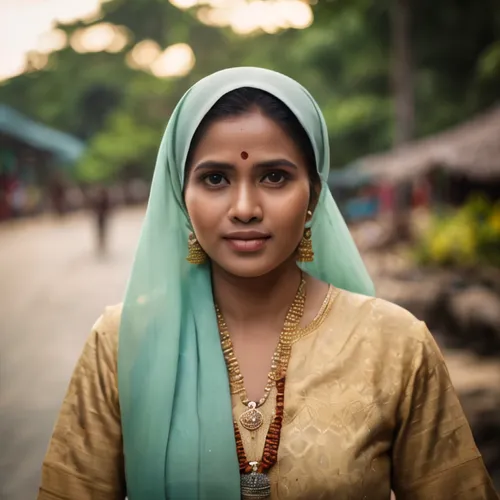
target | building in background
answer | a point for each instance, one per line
(445, 168)
(32, 160)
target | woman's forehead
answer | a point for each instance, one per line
(200, 98)
(247, 135)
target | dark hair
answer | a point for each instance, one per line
(241, 101)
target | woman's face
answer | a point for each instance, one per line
(247, 194)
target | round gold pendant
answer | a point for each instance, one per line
(252, 419)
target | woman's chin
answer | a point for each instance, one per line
(254, 267)
(248, 271)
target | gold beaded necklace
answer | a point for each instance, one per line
(252, 419)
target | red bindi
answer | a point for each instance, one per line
(244, 155)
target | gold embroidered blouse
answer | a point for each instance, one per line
(368, 407)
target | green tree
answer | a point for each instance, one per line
(344, 58)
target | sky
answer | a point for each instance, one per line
(23, 23)
(26, 25)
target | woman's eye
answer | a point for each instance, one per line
(275, 177)
(214, 179)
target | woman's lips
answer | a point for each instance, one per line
(247, 245)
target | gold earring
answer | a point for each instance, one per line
(196, 254)
(305, 250)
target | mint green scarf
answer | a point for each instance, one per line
(174, 393)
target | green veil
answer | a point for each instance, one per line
(173, 388)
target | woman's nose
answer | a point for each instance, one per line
(246, 204)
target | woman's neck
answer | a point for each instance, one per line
(247, 302)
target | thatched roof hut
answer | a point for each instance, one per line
(471, 150)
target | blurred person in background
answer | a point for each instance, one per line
(175, 396)
(57, 192)
(101, 209)
(18, 198)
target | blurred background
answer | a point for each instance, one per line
(411, 94)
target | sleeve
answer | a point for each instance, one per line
(84, 460)
(434, 455)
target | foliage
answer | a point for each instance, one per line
(344, 59)
(113, 151)
(469, 236)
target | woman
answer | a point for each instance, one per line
(358, 399)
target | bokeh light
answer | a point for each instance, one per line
(245, 17)
(36, 61)
(52, 41)
(100, 37)
(143, 55)
(177, 60)
(184, 4)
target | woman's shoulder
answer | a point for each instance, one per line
(110, 318)
(387, 317)
(383, 323)
(373, 331)
(106, 328)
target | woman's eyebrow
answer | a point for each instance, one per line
(220, 165)
(280, 162)
(210, 164)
